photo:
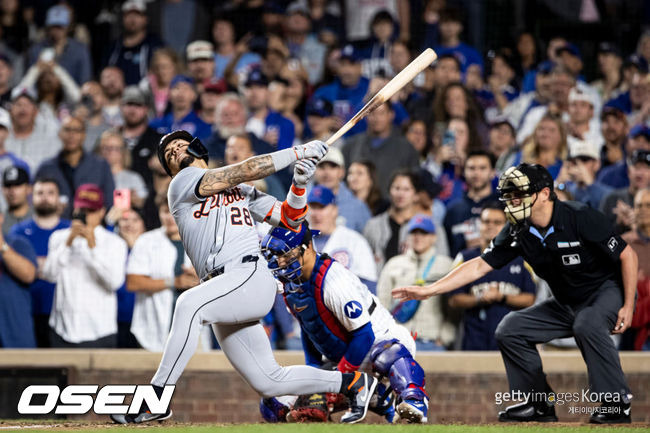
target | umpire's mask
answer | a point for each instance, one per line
(517, 185)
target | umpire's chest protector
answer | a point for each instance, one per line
(316, 320)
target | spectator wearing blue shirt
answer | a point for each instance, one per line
(133, 49)
(71, 54)
(223, 34)
(17, 271)
(616, 175)
(487, 300)
(582, 166)
(266, 124)
(330, 172)
(462, 217)
(451, 26)
(182, 96)
(37, 230)
(348, 90)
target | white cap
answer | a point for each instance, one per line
(334, 156)
(579, 93)
(134, 5)
(198, 50)
(5, 119)
(578, 147)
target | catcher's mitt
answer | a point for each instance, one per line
(309, 408)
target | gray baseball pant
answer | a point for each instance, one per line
(590, 323)
(234, 302)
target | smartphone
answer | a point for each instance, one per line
(122, 198)
(47, 55)
(449, 138)
(79, 215)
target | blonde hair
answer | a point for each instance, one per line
(530, 148)
(113, 132)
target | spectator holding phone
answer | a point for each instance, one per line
(113, 149)
(87, 263)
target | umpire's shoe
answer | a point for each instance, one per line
(525, 412)
(612, 414)
(359, 391)
(141, 417)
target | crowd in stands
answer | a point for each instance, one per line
(90, 255)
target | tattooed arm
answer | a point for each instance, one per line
(218, 179)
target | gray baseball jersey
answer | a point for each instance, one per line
(207, 224)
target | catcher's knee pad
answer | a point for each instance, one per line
(390, 358)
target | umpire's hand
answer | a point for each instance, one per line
(624, 320)
(408, 293)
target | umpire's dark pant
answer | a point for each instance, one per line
(590, 323)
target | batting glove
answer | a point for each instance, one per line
(303, 171)
(314, 149)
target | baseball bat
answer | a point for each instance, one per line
(427, 57)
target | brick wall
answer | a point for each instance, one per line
(222, 396)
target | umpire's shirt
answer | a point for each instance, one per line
(577, 254)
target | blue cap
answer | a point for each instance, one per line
(57, 16)
(321, 195)
(421, 222)
(319, 107)
(639, 129)
(349, 53)
(256, 77)
(181, 79)
(545, 67)
(570, 48)
(637, 61)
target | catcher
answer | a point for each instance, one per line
(342, 321)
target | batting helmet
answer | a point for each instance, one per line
(281, 242)
(195, 147)
(520, 183)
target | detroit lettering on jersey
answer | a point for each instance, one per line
(224, 198)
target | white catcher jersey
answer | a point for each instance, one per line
(349, 300)
(219, 228)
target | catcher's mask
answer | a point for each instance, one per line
(517, 185)
(282, 248)
(195, 147)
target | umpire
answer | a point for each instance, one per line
(592, 274)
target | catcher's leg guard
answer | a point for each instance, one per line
(391, 359)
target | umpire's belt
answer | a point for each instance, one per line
(221, 269)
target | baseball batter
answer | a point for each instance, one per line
(216, 213)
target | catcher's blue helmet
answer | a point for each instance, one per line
(280, 241)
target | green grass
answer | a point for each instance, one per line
(328, 428)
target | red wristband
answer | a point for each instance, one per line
(345, 367)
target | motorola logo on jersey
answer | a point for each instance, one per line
(353, 309)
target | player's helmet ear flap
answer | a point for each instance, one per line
(281, 242)
(195, 147)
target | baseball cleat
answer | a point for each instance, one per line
(359, 392)
(414, 411)
(273, 410)
(141, 417)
